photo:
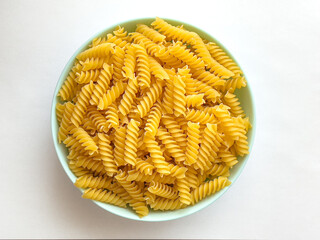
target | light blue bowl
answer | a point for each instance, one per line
(244, 95)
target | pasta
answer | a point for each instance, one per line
(151, 118)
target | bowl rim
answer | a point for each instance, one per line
(72, 177)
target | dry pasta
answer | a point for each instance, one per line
(151, 118)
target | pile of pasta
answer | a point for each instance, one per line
(150, 118)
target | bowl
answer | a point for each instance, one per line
(244, 95)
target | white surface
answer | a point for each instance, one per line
(277, 45)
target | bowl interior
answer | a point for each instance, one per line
(244, 95)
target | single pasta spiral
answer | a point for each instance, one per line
(86, 76)
(157, 70)
(162, 190)
(167, 204)
(184, 191)
(181, 52)
(218, 169)
(104, 196)
(149, 99)
(84, 139)
(111, 95)
(106, 154)
(200, 116)
(94, 63)
(128, 96)
(130, 151)
(82, 104)
(129, 64)
(102, 84)
(173, 33)
(102, 50)
(119, 145)
(65, 121)
(232, 101)
(143, 70)
(153, 119)
(89, 181)
(144, 167)
(117, 60)
(97, 119)
(179, 98)
(112, 116)
(150, 33)
(208, 188)
(156, 155)
(90, 164)
(193, 141)
(171, 145)
(206, 77)
(175, 130)
(151, 47)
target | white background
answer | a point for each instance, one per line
(277, 45)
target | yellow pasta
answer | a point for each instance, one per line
(193, 133)
(163, 190)
(102, 84)
(150, 33)
(151, 118)
(179, 98)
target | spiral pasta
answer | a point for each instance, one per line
(151, 47)
(97, 119)
(101, 50)
(130, 149)
(84, 77)
(156, 155)
(102, 84)
(112, 116)
(232, 101)
(173, 33)
(65, 121)
(119, 145)
(179, 98)
(209, 188)
(89, 181)
(129, 63)
(151, 118)
(200, 116)
(93, 63)
(69, 88)
(84, 139)
(149, 99)
(106, 154)
(150, 33)
(111, 95)
(171, 145)
(104, 196)
(82, 104)
(144, 167)
(143, 70)
(193, 141)
(181, 52)
(174, 129)
(157, 70)
(162, 190)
